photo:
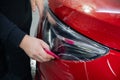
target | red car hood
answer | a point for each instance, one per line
(96, 19)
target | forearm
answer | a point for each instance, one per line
(9, 32)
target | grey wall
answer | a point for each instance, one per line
(33, 29)
(35, 21)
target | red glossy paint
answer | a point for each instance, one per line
(104, 68)
(99, 20)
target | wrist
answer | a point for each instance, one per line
(23, 42)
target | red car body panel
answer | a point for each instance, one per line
(104, 68)
(98, 20)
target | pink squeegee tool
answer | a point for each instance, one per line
(52, 54)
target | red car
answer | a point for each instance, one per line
(85, 35)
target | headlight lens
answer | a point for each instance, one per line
(69, 44)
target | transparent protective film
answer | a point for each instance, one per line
(69, 44)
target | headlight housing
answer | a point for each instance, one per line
(69, 44)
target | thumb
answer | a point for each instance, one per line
(33, 5)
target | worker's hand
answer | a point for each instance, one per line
(34, 48)
(38, 4)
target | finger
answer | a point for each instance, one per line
(50, 19)
(38, 59)
(41, 59)
(40, 5)
(44, 45)
(33, 5)
(34, 57)
(45, 55)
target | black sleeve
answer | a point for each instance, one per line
(9, 32)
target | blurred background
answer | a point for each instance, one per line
(33, 29)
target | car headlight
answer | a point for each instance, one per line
(69, 44)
